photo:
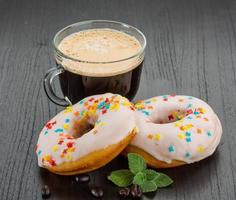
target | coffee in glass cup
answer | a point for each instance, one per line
(95, 57)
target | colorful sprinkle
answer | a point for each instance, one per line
(104, 111)
(189, 105)
(91, 112)
(39, 152)
(186, 127)
(68, 156)
(115, 107)
(55, 148)
(100, 106)
(82, 113)
(52, 162)
(153, 100)
(145, 112)
(177, 124)
(72, 149)
(60, 141)
(187, 155)
(196, 113)
(70, 144)
(49, 125)
(65, 151)
(188, 139)
(188, 134)
(91, 99)
(132, 108)
(139, 106)
(157, 137)
(199, 131)
(107, 106)
(206, 119)
(59, 130)
(181, 136)
(179, 117)
(170, 117)
(66, 126)
(68, 109)
(81, 102)
(209, 133)
(171, 148)
(200, 149)
(189, 111)
(67, 120)
(47, 157)
(46, 132)
(202, 110)
(150, 136)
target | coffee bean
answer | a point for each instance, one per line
(46, 192)
(84, 178)
(124, 192)
(136, 191)
(97, 192)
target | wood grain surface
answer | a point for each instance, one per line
(191, 50)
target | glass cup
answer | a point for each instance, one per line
(118, 76)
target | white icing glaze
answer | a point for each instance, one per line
(108, 113)
(162, 134)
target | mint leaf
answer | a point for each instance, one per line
(151, 174)
(136, 163)
(139, 178)
(121, 178)
(148, 186)
(162, 180)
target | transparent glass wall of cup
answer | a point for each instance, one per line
(123, 79)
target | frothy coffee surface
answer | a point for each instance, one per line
(99, 45)
(100, 48)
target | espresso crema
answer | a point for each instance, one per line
(100, 52)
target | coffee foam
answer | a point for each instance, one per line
(98, 47)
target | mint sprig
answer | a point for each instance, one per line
(148, 179)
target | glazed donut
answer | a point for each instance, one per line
(175, 130)
(87, 135)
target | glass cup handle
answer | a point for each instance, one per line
(47, 83)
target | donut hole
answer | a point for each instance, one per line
(166, 116)
(82, 127)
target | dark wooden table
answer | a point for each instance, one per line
(191, 50)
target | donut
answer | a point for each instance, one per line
(87, 135)
(175, 130)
